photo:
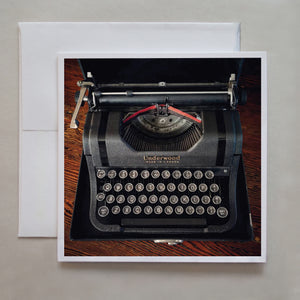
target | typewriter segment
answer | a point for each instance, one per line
(161, 197)
(161, 159)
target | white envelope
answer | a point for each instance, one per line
(39, 45)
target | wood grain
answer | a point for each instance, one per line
(250, 119)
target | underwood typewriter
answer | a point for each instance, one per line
(162, 151)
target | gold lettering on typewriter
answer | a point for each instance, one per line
(161, 159)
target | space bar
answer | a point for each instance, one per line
(154, 222)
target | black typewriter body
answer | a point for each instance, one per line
(162, 161)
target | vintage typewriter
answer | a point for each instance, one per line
(162, 151)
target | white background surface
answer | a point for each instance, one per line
(28, 266)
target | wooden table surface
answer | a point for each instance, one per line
(251, 126)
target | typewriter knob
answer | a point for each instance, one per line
(211, 210)
(163, 199)
(161, 187)
(209, 174)
(216, 200)
(103, 211)
(203, 187)
(133, 174)
(176, 174)
(158, 210)
(222, 212)
(190, 210)
(205, 199)
(173, 199)
(168, 210)
(214, 188)
(179, 210)
(153, 199)
(101, 174)
(165, 174)
(187, 174)
(100, 196)
(200, 210)
(181, 187)
(115, 209)
(137, 210)
(195, 199)
(145, 174)
(155, 174)
(148, 210)
(184, 199)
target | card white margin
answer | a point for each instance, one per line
(183, 259)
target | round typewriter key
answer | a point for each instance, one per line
(203, 187)
(216, 200)
(153, 199)
(187, 174)
(200, 210)
(139, 187)
(168, 210)
(190, 210)
(165, 174)
(150, 187)
(128, 187)
(110, 199)
(142, 199)
(103, 211)
(179, 210)
(163, 199)
(214, 188)
(155, 174)
(131, 199)
(118, 187)
(209, 174)
(158, 210)
(100, 196)
(107, 187)
(192, 187)
(120, 199)
(148, 210)
(173, 199)
(198, 174)
(111, 174)
(101, 174)
(211, 210)
(126, 210)
(195, 199)
(205, 199)
(181, 187)
(184, 199)
(176, 174)
(145, 174)
(123, 174)
(137, 210)
(171, 187)
(160, 187)
(115, 209)
(222, 212)
(133, 174)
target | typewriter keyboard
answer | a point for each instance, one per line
(162, 197)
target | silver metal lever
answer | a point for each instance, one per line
(84, 85)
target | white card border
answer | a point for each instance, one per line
(182, 259)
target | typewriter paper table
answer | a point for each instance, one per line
(250, 120)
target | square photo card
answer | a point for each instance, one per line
(162, 158)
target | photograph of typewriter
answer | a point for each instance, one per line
(160, 152)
